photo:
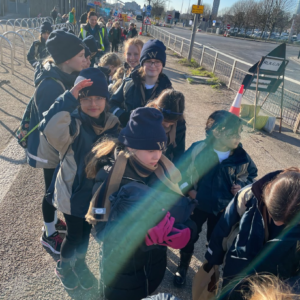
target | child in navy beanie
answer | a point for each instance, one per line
(38, 49)
(154, 49)
(63, 46)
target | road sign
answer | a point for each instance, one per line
(214, 21)
(148, 13)
(97, 3)
(228, 26)
(147, 21)
(149, 7)
(197, 9)
(169, 17)
(115, 13)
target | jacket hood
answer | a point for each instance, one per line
(258, 186)
(50, 70)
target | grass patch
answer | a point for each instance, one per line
(192, 63)
(202, 72)
(190, 80)
(176, 55)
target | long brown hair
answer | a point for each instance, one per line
(167, 102)
(282, 196)
(103, 148)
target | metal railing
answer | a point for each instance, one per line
(11, 52)
(231, 71)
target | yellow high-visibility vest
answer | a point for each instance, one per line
(84, 32)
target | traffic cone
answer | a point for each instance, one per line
(236, 104)
(140, 33)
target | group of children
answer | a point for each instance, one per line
(111, 143)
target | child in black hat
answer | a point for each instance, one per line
(72, 126)
(136, 157)
(91, 43)
(52, 79)
(38, 51)
(145, 84)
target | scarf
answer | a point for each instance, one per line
(144, 101)
(171, 134)
(165, 171)
(110, 122)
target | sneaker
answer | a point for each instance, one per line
(53, 242)
(60, 226)
(84, 275)
(66, 276)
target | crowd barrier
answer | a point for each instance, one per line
(232, 71)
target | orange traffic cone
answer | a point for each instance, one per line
(140, 33)
(236, 105)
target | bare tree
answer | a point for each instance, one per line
(158, 7)
(297, 24)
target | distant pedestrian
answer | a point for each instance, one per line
(53, 14)
(58, 19)
(114, 36)
(132, 32)
(83, 17)
(72, 16)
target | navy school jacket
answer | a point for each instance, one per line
(71, 133)
(48, 82)
(202, 171)
(246, 239)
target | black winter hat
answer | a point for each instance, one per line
(90, 41)
(154, 49)
(99, 86)
(87, 52)
(144, 131)
(62, 45)
(46, 27)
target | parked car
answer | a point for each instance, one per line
(139, 18)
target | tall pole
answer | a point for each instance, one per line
(193, 34)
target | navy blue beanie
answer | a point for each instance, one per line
(63, 45)
(87, 52)
(154, 49)
(46, 27)
(144, 131)
(90, 41)
(99, 86)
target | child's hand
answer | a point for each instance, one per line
(235, 188)
(79, 86)
(192, 194)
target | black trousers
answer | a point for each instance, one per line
(76, 239)
(200, 217)
(48, 209)
(114, 45)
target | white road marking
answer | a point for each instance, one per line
(11, 160)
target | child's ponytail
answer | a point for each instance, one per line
(101, 149)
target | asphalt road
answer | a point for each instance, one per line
(247, 51)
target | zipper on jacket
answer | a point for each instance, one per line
(147, 282)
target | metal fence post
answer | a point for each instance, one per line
(181, 50)
(169, 40)
(175, 42)
(215, 62)
(231, 74)
(202, 55)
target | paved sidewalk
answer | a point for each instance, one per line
(26, 268)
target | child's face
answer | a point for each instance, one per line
(133, 56)
(45, 36)
(93, 105)
(152, 67)
(230, 139)
(148, 157)
(76, 63)
(87, 62)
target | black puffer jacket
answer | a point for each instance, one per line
(129, 95)
(143, 271)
